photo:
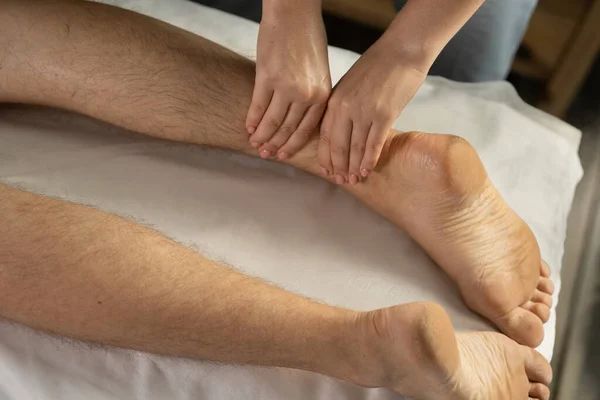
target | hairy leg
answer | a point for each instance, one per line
(153, 78)
(82, 273)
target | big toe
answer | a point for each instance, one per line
(537, 368)
(523, 326)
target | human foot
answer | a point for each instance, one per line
(436, 188)
(422, 358)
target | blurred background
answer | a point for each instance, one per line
(554, 65)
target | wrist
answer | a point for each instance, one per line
(422, 29)
(416, 52)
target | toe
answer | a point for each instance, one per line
(537, 368)
(539, 391)
(539, 309)
(546, 285)
(522, 326)
(545, 270)
(542, 297)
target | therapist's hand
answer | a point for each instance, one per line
(362, 109)
(292, 77)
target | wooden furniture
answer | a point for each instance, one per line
(563, 40)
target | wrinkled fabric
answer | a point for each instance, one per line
(237, 210)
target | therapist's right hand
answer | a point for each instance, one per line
(292, 82)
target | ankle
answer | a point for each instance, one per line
(408, 348)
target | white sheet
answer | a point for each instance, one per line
(212, 199)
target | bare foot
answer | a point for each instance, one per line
(424, 359)
(436, 188)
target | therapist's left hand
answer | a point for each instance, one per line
(361, 111)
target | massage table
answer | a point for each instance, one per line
(236, 209)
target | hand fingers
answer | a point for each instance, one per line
(357, 150)
(373, 148)
(261, 97)
(289, 126)
(306, 128)
(324, 151)
(271, 121)
(339, 147)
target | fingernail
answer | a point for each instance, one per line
(364, 172)
(353, 179)
(256, 145)
(339, 179)
(251, 129)
(282, 155)
(324, 171)
(265, 154)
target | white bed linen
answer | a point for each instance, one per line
(236, 209)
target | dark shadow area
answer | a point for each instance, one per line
(585, 110)
(340, 32)
(349, 35)
(585, 114)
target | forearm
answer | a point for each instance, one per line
(82, 273)
(423, 28)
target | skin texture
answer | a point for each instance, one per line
(292, 77)
(293, 83)
(373, 93)
(361, 111)
(83, 273)
(150, 77)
